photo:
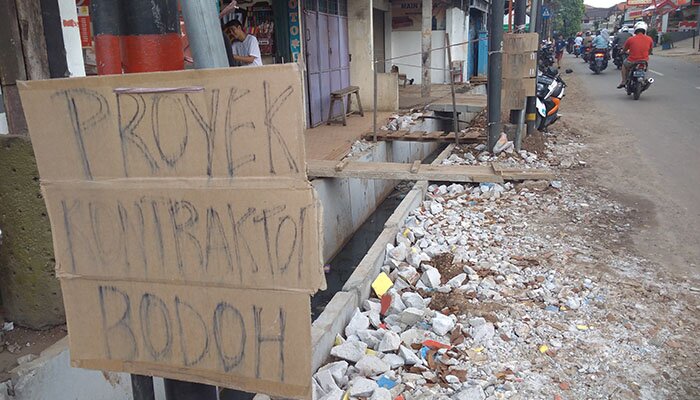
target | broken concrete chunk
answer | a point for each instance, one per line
(358, 322)
(337, 370)
(335, 394)
(390, 342)
(409, 357)
(350, 350)
(457, 281)
(482, 333)
(431, 278)
(411, 316)
(411, 299)
(326, 381)
(393, 360)
(409, 274)
(442, 324)
(362, 387)
(474, 392)
(381, 394)
(370, 365)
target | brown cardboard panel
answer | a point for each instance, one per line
(233, 122)
(520, 65)
(520, 42)
(253, 340)
(229, 236)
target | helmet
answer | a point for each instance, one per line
(624, 29)
(640, 25)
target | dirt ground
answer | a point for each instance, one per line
(20, 342)
(657, 293)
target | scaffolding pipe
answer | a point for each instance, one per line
(455, 119)
(204, 34)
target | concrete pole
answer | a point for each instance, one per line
(531, 104)
(495, 71)
(204, 34)
(426, 48)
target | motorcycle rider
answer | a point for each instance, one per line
(620, 38)
(638, 48)
(578, 40)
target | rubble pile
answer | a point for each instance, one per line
(484, 303)
(477, 154)
(402, 122)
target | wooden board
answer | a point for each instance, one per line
(412, 172)
(423, 136)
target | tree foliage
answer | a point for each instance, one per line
(568, 16)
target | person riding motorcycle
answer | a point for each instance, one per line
(638, 48)
(620, 38)
(578, 39)
(601, 43)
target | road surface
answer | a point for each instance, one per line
(660, 152)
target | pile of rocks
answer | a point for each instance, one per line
(488, 304)
(478, 155)
(398, 122)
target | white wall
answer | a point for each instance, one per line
(458, 29)
(409, 42)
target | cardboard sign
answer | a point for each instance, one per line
(186, 233)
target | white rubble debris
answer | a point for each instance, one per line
(517, 311)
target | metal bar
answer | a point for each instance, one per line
(455, 119)
(204, 34)
(374, 112)
(142, 387)
(519, 128)
(495, 72)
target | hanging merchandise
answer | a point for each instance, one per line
(261, 25)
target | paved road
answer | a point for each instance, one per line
(666, 125)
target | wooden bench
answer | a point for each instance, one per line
(345, 96)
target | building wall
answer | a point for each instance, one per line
(458, 29)
(361, 49)
(409, 42)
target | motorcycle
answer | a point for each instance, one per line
(545, 58)
(598, 61)
(637, 82)
(550, 91)
(577, 50)
(586, 54)
(618, 57)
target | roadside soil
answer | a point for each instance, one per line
(20, 342)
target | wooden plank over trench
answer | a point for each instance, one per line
(418, 172)
(423, 136)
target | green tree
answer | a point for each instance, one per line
(568, 16)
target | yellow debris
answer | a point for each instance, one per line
(338, 340)
(382, 284)
(478, 349)
(544, 348)
(406, 232)
(370, 352)
(582, 327)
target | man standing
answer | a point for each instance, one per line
(559, 47)
(246, 51)
(639, 47)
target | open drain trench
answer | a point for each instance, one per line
(349, 281)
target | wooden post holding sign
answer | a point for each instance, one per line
(186, 233)
(519, 70)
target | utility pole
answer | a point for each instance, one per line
(531, 105)
(495, 71)
(426, 48)
(204, 34)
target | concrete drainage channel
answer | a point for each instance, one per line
(339, 310)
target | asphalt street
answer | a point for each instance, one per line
(665, 124)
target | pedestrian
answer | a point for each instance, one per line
(559, 47)
(245, 47)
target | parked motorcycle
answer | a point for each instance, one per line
(618, 57)
(637, 82)
(550, 91)
(598, 60)
(545, 57)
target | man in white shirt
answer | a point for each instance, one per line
(246, 51)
